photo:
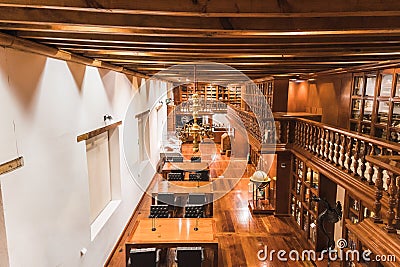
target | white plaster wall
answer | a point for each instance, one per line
(46, 202)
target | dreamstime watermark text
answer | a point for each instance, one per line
(333, 255)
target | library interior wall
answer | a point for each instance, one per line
(46, 202)
(329, 96)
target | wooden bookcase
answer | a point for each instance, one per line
(354, 212)
(230, 95)
(273, 91)
(307, 184)
(375, 104)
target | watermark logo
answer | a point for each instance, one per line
(352, 255)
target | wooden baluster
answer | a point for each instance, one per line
(312, 137)
(326, 152)
(349, 159)
(371, 169)
(397, 220)
(356, 157)
(316, 140)
(378, 196)
(318, 135)
(392, 203)
(332, 147)
(342, 152)
(337, 149)
(278, 136)
(298, 133)
(363, 165)
(308, 136)
(302, 135)
(322, 142)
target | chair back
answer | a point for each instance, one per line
(195, 177)
(159, 211)
(172, 176)
(143, 257)
(204, 175)
(195, 159)
(189, 256)
(194, 211)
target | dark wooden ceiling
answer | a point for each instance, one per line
(257, 37)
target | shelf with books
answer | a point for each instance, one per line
(375, 104)
(307, 188)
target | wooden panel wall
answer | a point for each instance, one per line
(329, 95)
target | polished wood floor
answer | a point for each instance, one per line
(241, 234)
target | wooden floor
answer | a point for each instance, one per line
(241, 234)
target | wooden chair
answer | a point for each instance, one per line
(194, 211)
(144, 257)
(189, 256)
(159, 211)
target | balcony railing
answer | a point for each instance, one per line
(365, 159)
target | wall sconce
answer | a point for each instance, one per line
(107, 117)
(168, 101)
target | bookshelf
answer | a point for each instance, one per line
(306, 185)
(375, 104)
(209, 94)
(355, 212)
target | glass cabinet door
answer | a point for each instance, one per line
(396, 115)
(370, 85)
(383, 112)
(386, 85)
(397, 91)
(356, 109)
(358, 85)
(368, 104)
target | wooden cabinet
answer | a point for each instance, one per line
(307, 185)
(209, 94)
(375, 104)
(355, 212)
(273, 92)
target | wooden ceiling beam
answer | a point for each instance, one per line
(96, 48)
(150, 25)
(156, 40)
(280, 55)
(236, 8)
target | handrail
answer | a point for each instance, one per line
(362, 137)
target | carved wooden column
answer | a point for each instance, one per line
(392, 203)
(318, 146)
(326, 150)
(312, 136)
(308, 137)
(296, 133)
(315, 139)
(342, 152)
(278, 135)
(371, 169)
(378, 196)
(321, 145)
(301, 143)
(332, 147)
(356, 157)
(349, 154)
(363, 165)
(337, 149)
